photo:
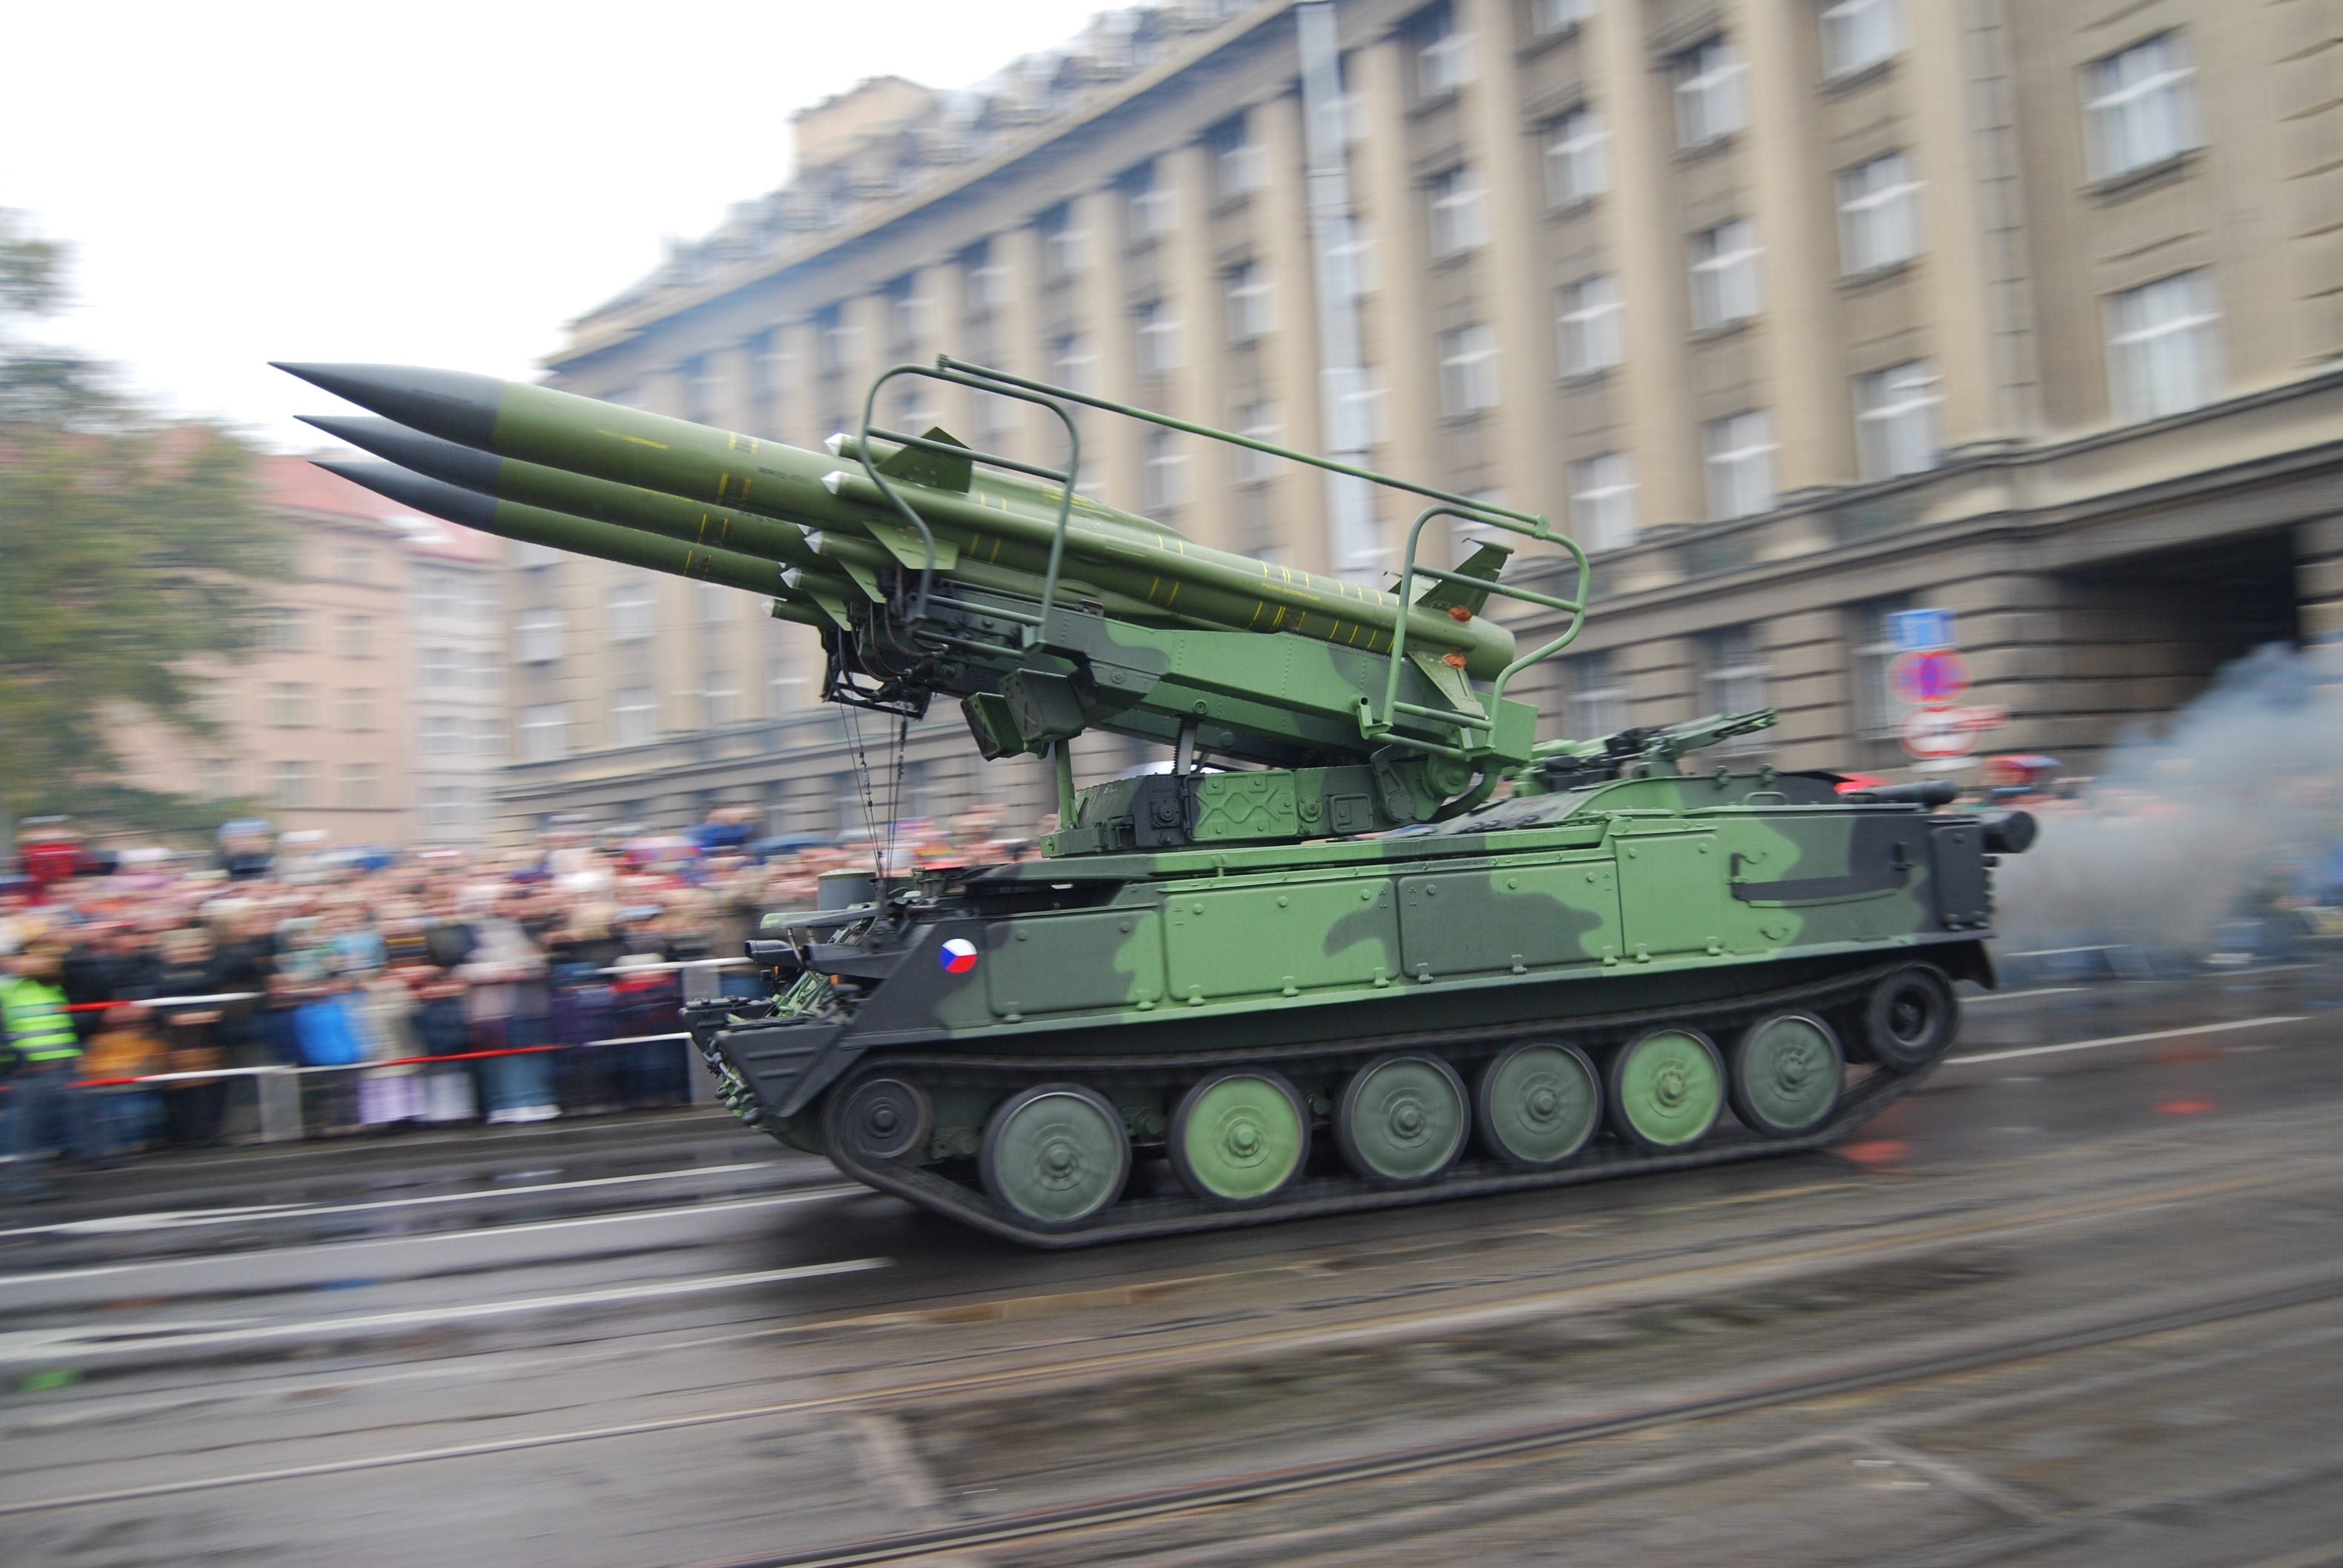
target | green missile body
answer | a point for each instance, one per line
(1134, 556)
(557, 490)
(606, 541)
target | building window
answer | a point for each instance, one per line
(280, 628)
(1603, 501)
(632, 611)
(634, 715)
(1725, 274)
(1732, 676)
(984, 282)
(1460, 220)
(1895, 419)
(530, 557)
(762, 354)
(1577, 158)
(1237, 168)
(218, 778)
(292, 785)
(2164, 347)
(435, 595)
(482, 601)
(361, 708)
(1252, 307)
(1258, 422)
(1444, 52)
(1164, 480)
(443, 807)
(1468, 371)
(907, 314)
(720, 699)
(1560, 16)
(354, 636)
(292, 705)
(1878, 213)
(1859, 33)
(352, 563)
(708, 602)
(1065, 248)
(488, 673)
(1159, 340)
(1588, 314)
(2141, 105)
(1738, 452)
(1877, 713)
(781, 688)
(488, 738)
(703, 389)
(545, 731)
(443, 736)
(1071, 361)
(1598, 695)
(361, 786)
(1708, 93)
(540, 635)
(439, 665)
(1148, 208)
(833, 338)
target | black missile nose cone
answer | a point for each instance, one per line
(427, 455)
(468, 507)
(453, 405)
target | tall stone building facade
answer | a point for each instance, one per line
(459, 734)
(1796, 312)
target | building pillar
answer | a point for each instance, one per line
(1192, 286)
(1110, 444)
(1814, 419)
(1497, 144)
(1654, 380)
(1953, 270)
(2318, 581)
(1397, 315)
(1034, 434)
(1293, 348)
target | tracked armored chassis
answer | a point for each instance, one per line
(1634, 975)
(1367, 941)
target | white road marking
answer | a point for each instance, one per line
(2127, 1038)
(487, 1232)
(81, 1341)
(177, 1219)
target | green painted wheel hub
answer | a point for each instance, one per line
(1668, 1088)
(1240, 1137)
(1055, 1155)
(1786, 1074)
(1539, 1104)
(1401, 1118)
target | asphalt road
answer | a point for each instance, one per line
(2078, 1300)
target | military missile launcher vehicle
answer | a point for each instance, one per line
(1365, 940)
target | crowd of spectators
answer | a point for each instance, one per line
(386, 967)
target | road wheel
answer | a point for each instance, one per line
(1238, 1138)
(1402, 1120)
(1666, 1089)
(1786, 1074)
(1538, 1104)
(1910, 1018)
(881, 1118)
(1055, 1155)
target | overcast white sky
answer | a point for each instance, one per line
(416, 182)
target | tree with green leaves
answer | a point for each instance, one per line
(128, 547)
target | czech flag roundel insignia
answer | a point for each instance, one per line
(958, 956)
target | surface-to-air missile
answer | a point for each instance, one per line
(1366, 941)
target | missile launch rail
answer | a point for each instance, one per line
(1367, 942)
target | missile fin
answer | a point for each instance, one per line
(1450, 681)
(932, 468)
(908, 548)
(1484, 562)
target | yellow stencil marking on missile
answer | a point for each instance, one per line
(637, 440)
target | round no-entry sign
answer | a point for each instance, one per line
(1930, 676)
(1939, 732)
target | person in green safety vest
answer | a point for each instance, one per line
(38, 1057)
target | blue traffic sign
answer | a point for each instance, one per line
(1917, 630)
